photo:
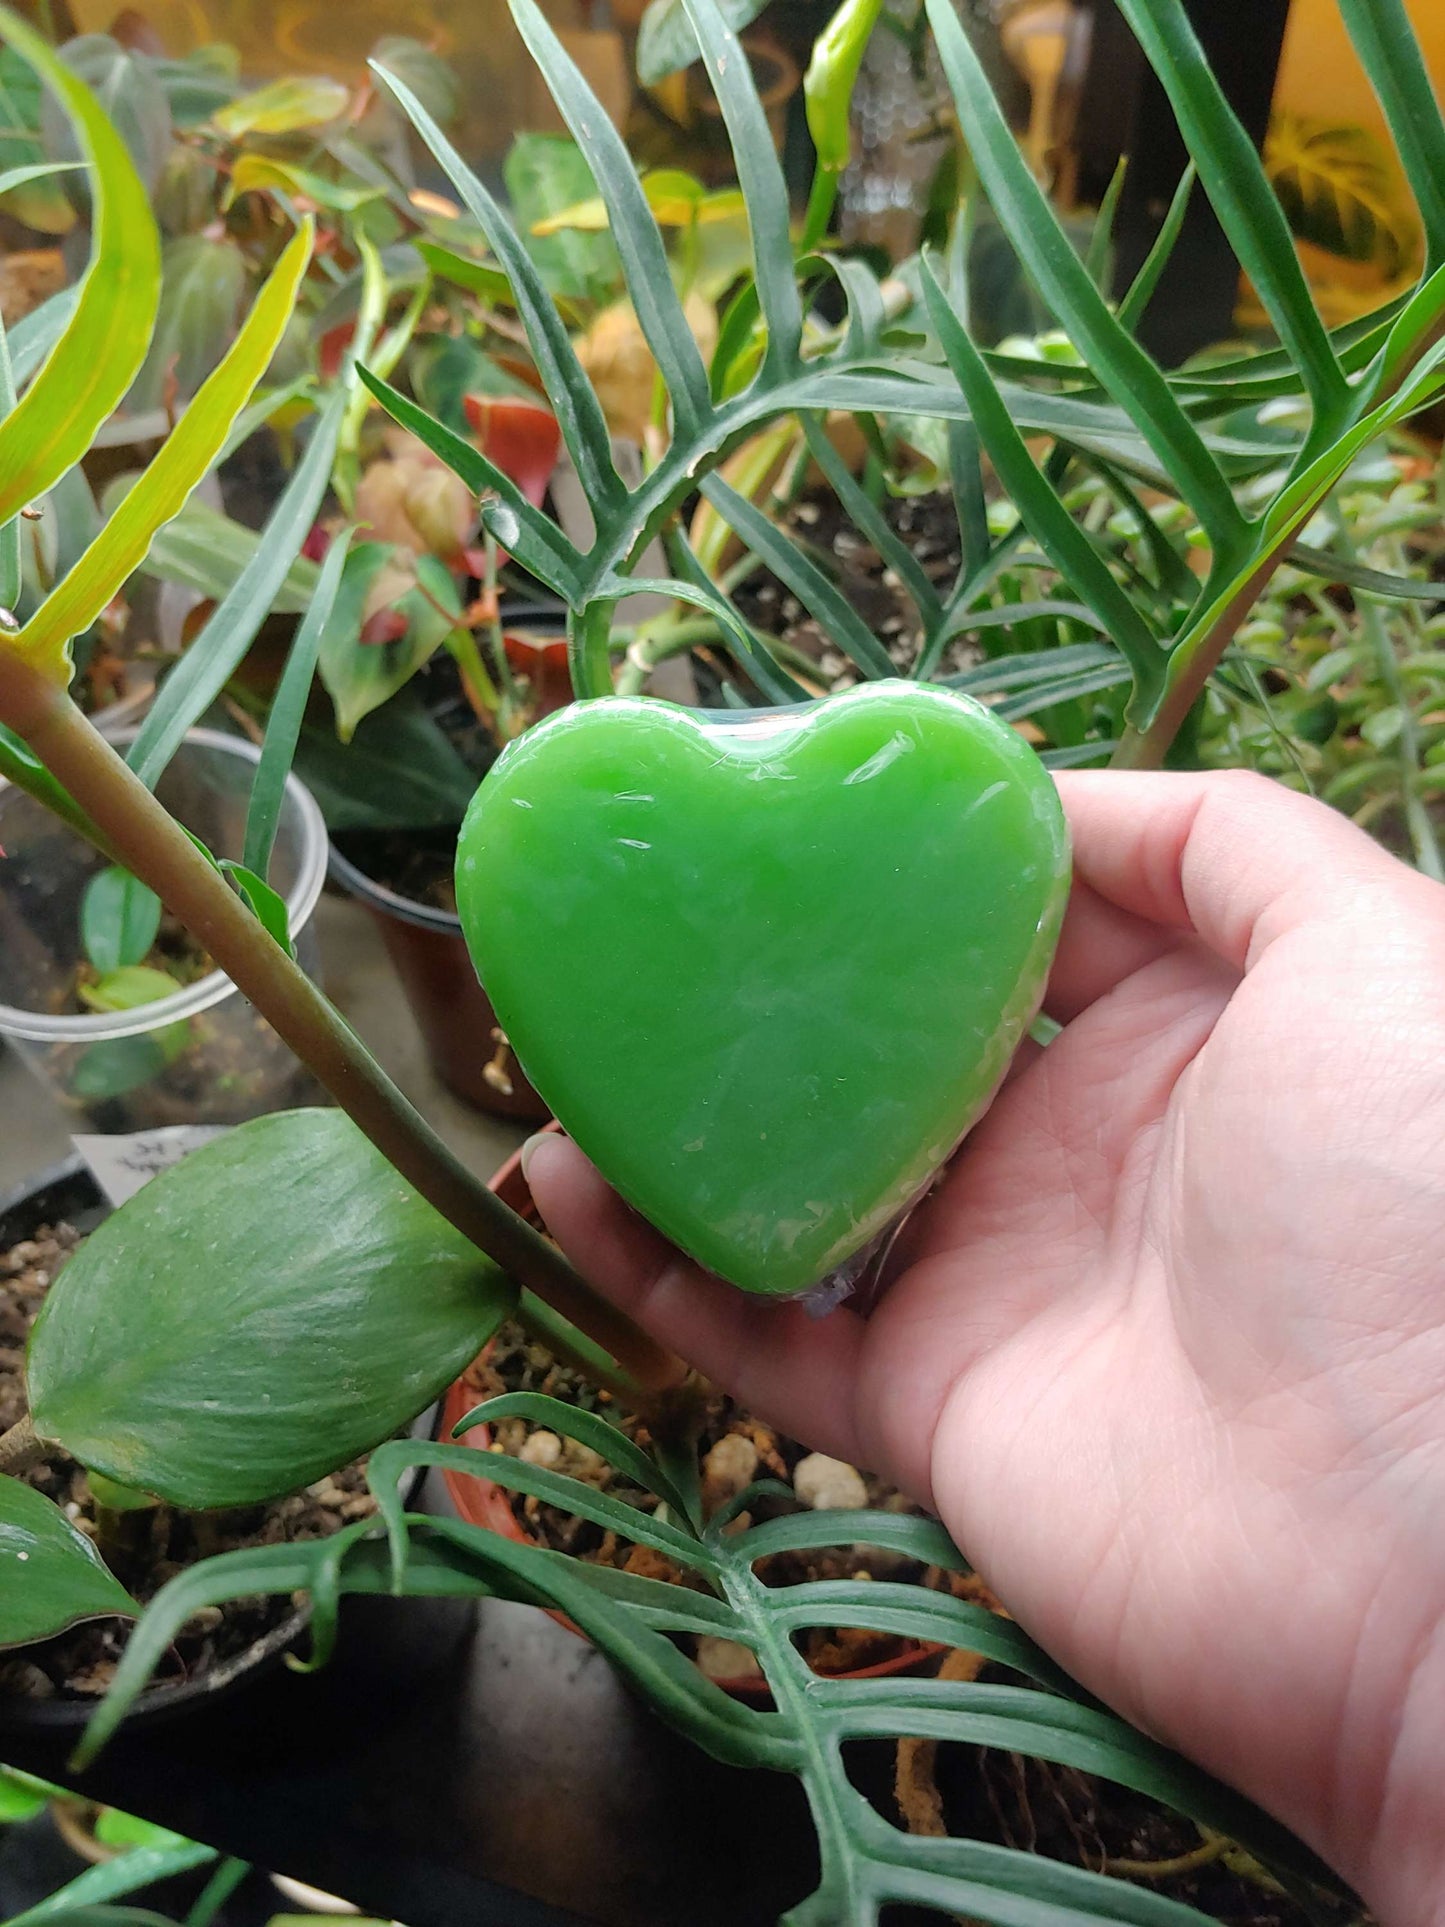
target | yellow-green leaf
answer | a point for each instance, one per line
(161, 492)
(259, 173)
(97, 357)
(676, 200)
(284, 107)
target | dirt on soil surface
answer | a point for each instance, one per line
(145, 1548)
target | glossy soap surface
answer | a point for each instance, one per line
(766, 972)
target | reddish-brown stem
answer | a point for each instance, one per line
(159, 852)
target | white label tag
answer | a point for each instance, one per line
(121, 1165)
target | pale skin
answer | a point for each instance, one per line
(1166, 1349)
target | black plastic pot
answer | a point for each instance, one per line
(383, 1645)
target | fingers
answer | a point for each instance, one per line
(1233, 857)
(776, 1359)
(1100, 946)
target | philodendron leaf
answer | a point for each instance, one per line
(51, 1576)
(257, 1316)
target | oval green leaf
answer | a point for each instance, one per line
(119, 918)
(51, 1576)
(257, 1316)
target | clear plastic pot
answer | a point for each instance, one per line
(204, 1056)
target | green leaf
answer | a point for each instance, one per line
(124, 1830)
(1236, 183)
(119, 919)
(11, 578)
(1114, 357)
(871, 523)
(545, 175)
(1390, 55)
(587, 1429)
(287, 106)
(288, 710)
(264, 174)
(389, 1462)
(477, 277)
(760, 176)
(126, 1874)
(203, 282)
(131, 97)
(361, 676)
(579, 414)
(1141, 289)
(1043, 513)
(130, 987)
(917, 1538)
(215, 655)
(666, 42)
(399, 771)
(96, 358)
(257, 1316)
(188, 452)
(204, 550)
(634, 228)
(22, 1796)
(840, 621)
(1334, 568)
(51, 1576)
(1100, 252)
(268, 906)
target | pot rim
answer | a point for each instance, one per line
(376, 896)
(102, 1026)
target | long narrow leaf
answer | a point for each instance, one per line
(1390, 55)
(579, 413)
(1140, 291)
(1033, 667)
(389, 1461)
(696, 586)
(917, 1538)
(587, 1429)
(1114, 357)
(1100, 251)
(1334, 568)
(538, 544)
(760, 177)
(1045, 516)
(288, 711)
(823, 600)
(634, 229)
(914, 1612)
(871, 523)
(127, 1873)
(105, 340)
(187, 454)
(35, 334)
(1236, 183)
(215, 655)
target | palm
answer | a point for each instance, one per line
(1157, 1347)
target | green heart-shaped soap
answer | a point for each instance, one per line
(768, 971)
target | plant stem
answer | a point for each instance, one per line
(1147, 748)
(160, 853)
(20, 1448)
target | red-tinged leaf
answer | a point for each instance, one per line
(521, 439)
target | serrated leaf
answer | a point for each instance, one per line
(336, 1304)
(51, 1576)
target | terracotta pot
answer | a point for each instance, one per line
(463, 1038)
(481, 1503)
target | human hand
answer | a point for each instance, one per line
(1166, 1348)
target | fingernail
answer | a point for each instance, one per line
(530, 1147)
